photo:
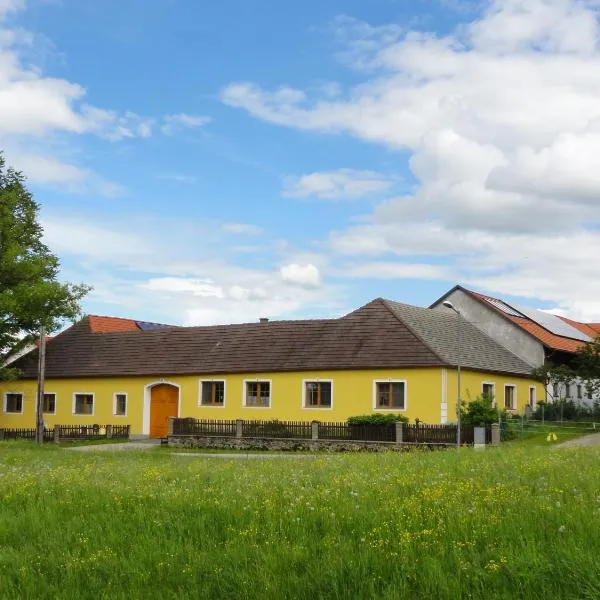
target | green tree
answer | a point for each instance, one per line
(31, 296)
(480, 412)
(588, 366)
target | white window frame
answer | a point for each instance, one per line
(516, 403)
(5, 403)
(534, 388)
(493, 384)
(74, 405)
(257, 380)
(392, 409)
(316, 380)
(224, 382)
(115, 394)
(55, 397)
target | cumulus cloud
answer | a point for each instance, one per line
(301, 275)
(502, 122)
(340, 184)
(174, 123)
(242, 228)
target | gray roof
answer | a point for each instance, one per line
(440, 331)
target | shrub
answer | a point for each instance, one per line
(378, 419)
(480, 412)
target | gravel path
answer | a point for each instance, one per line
(587, 440)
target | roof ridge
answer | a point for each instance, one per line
(386, 302)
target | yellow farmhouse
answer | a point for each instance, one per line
(383, 357)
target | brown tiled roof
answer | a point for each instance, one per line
(369, 338)
(380, 335)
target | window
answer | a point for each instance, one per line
(579, 392)
(390, 395)
(488, 391)
(83, 404)
(50, 404)
(120, 405)
(567, 390)
(555, 390)
(317, 394)
(590, 393)
(257, 394)
(510, 397)
(212, 393)
(532, 395)
(13, 402)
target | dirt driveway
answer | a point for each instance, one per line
(587, 440)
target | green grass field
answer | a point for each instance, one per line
(514, 522)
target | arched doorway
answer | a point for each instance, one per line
(164, 403)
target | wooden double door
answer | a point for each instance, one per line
(164, 403)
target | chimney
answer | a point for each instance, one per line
(263, 320)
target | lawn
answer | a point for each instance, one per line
(514, 522)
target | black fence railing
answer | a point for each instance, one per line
(69, 432)
(203, 427)
(342, 431)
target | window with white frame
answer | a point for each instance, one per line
(49, 403)
(390, 395)
(317, 394)
(567, 390)
(120, 404)
(510, 397)
(579, 391)
(257, 394)
(212, 393)
(555, 390)
(488, 391)
(83, 404)
(13, 402)
(532, 396)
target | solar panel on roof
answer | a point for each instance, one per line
(144, 326)
(552, 323)
(504, 307)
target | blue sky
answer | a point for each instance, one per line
(217, 162)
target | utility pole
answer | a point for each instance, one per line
(39, 421)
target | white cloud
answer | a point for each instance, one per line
(174, 123)
(502, 122)
(183, 278)
(301, 275)
(398, 270)
(242, 228)
(339, 184)
(46, 170)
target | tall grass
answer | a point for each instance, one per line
(507, 523)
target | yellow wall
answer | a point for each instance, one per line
(352, 395)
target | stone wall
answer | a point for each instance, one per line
(280, 444)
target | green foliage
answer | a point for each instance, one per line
(377, 419)
(567, 410)
(480, 412)
(30, 294)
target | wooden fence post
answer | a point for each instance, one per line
(399, 432)
(238, 428)
(171, 423)
(56, 433)
(108, 432)
(1, 434)
(315, 430)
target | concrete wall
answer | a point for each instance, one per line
(525, 346)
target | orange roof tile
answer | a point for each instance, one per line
(556, 342)
(100, 324)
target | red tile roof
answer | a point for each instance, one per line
(549, 339)
(99, 324)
